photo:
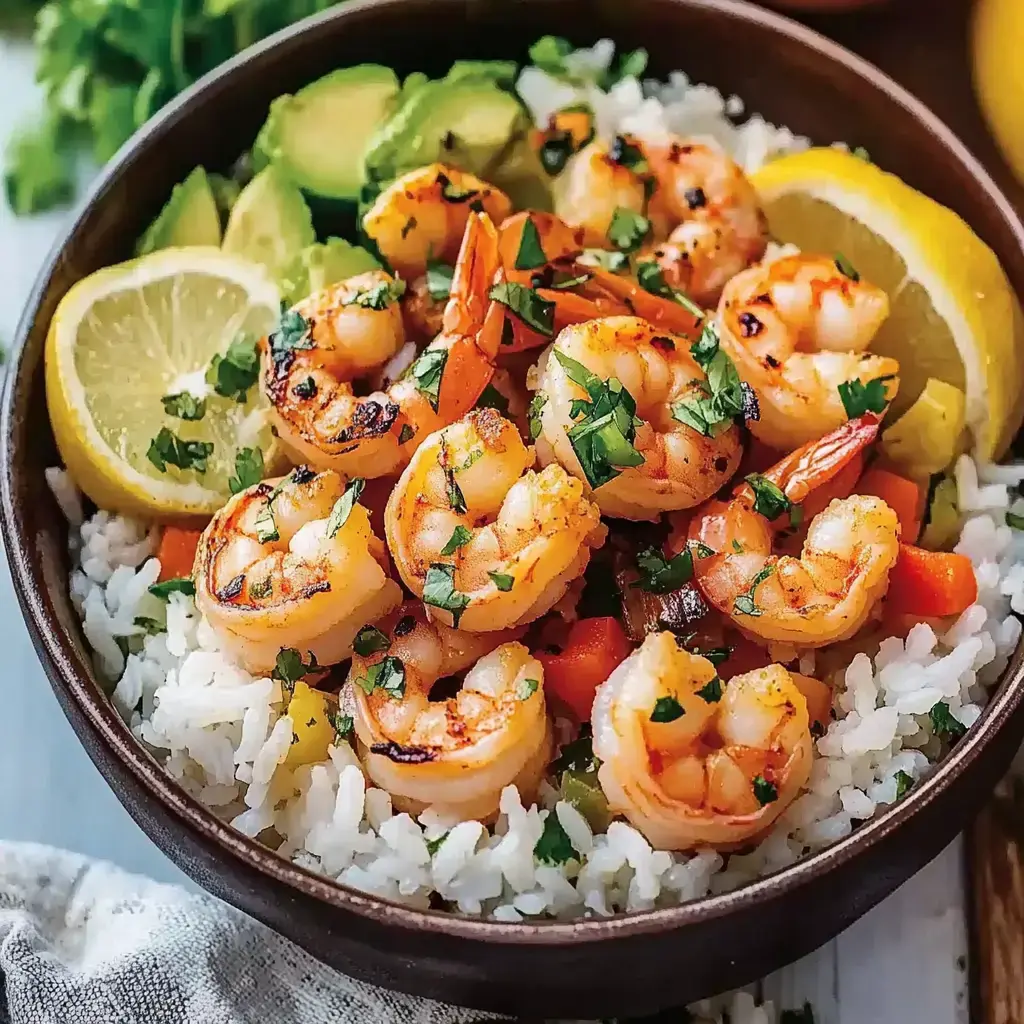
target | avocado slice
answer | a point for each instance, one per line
(324, 264)
(318, 136)
(469, 123)
(270, 222)
(190, 217)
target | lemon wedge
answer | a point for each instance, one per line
(954, 315)
(126, 337)
(927, 437)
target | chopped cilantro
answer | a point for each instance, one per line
(533, 413)
(627, 229)
(433, 845)
(492, 398)
(606, 259)
(439, 591)
(248, 469)
(627, 154)
(651, 278)
(765, 791)
(180, 585)
(439, 280)
(502, 581)
(406, 434)
(526, 688)
(370, 640)
(554, 845)
(903, 783)
(859, 398)
(846, 268)
(184, 405)
(290, 668)
(232, 374)
(380, 296)
(744, 604)
(944, 724)
(1015, 520)
(711, 691)
(769, 500)
(721, 398)
(149, 625)
(659, 575)
(387, 675)
(460, 538)
(343, 506)
(293, 332)
(343, 725)
(667, 709)
(266, 527)
(577, 755)
(527, 305)
(531, 252)
(427, 372)
(167, 449)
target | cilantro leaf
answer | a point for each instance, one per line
(554, 846)
(387, 675)
(167, 449)
(903, 783)
(627, 229)
(526, 688)
(606, 259)
(380, 296)
(651, 278)
(944, 724)
(859, 398)
(627, 154)
(370, 640)
(248, 469)
(721, 398)
(531, 252)
(769, 500)
(232, 374)
(460, 538)
(293, 332)
(577, 755)
(533, 414)
(289, 667)
(427, 372)
(502, 581)
(343, 725)
(845, 267)
(744, 604)
(179, 585)
(711, 692)
(344, 505)
(184, 405)
(439, 280)
(667, 709)
(765, 791)
(439, 591)
(526, 305)
(659, 575)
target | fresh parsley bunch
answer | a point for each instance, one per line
(106, 66)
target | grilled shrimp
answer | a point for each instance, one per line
(422, 216)
(673, 465)
(833, 587)
(483, 539)
(270, 573)
(692, 761)
(308, 370)
(459, 753)
(797, 328)
(705, 218)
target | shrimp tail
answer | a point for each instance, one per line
(475, 270)
(820, 461)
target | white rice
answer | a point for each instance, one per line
(224, 736)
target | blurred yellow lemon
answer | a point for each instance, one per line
(997, 41)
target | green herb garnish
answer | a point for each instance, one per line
(533, 413)
(554, 846)
(944, 724)
(380, 296)
(248, 469)
(370, 640)
(526, 688)
(184, 405)
(651, 278)
(711, 691)
(659, 575)
(343, 725)
(502, 581)
(387, 675)
(765, 791)
(290, 668)
(179, 585)
(769, 500)
(439, 591)
(531, 252)
(721, 396)
(846, 268)
(903, 783)
(667, 709)
(439, 280)
(627, 229)
(427, 372)
(859, 398)
(524, 303)
(293, 333)
(744, 604)
(344, 505)
(460, 538)
(167, 449)
(232, 374)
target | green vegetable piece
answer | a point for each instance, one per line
(711, 692)
(167, 449)
(370, 640)
(343, 725)
(659, 575)
(270, 223)
(318, 136)
(1014, 520)
(190, 217)
(439, 280)
(531, 252)
(627, 229)
(667, 709)
(903, 783)
(745, 604)
(944, 724)
(846, 268)
(583, 791)
(769, 500)
(344, 505)
(527, 305)
(439, 591)
(859, 398)
(533, 414)
(184, 405)
(289, 667)
(232, 374)
(248, 469)
(554, 846)
(460, 538)
(502, 581)
(180, 585)
(433, 845)
(322, 264)
(427, 372)
(766, 792)
(526, 688)
(387, 675)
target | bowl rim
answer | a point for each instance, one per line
(72, 673)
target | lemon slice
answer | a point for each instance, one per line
(954, 315)
(125, 337)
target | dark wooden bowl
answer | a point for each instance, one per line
(630, 964)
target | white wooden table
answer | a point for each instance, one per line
(904, 963)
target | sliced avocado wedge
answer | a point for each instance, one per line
(469, 123)
(190, 217)
(324, 264)
(270, 222)
(318, 136)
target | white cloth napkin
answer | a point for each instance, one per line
(83, 942)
